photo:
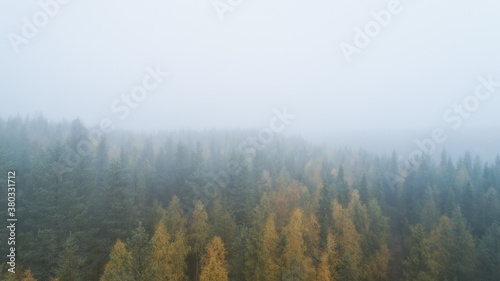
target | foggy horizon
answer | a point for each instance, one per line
(232, 72)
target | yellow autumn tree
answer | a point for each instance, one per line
(117, 269)
(177, 253)
(160, 251)
(169, 258)
(28, 276)
(199, 232)
(214, 262)
(349, 240)
(323, 270)
(378, 265)
(270, 246)
(327, 268)
(438, 240)
(294, 239)
(296, 264)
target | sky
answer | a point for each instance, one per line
(232, 63)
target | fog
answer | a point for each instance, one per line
(418, 71)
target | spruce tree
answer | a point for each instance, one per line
(70, 264)
(214, 262)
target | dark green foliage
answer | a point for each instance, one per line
(70, 263)
(139, 245)
(489, 254)
(418, 265)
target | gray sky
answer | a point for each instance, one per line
(264, 54)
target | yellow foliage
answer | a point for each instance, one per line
(28, 276)
(379, 263)
(199, 228)
(177, 253)
(119, 262)
(323, 269)
(214, 262)
(270, 247)
(294, 239)
(160, 250)
(437, 241)
(349, 239)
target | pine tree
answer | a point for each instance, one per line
(101, 160)
(489, 253)
(178, 251)
(429, 215)
(256, 260)
(173, 217)
(221, 222)
(199, 232)
(70, 264)
(463, 259)
(214, 262)
(118, 267)
(363, 189)
(329, 261)
(323, 270)
(160, 250)
(453, 249)
(348, 269)
(343, 189)
(238, 257)
(349, 243)
(270, 245)
(418, 265)
(28, 276)
(118, 203)
(325, 218)
(141, 268)
(296, 266)
(169, 258)
(295, 246)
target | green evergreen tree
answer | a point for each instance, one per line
(418, 265)
(141, 266)
(70, 263)
(489, 254)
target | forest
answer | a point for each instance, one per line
(201, 206)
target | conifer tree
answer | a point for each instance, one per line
(418, 265)
(270, 244)
(199, 232)
(141, 267)
(453, 249)
(214, 262)
(70, 264)
(349, 243)
(329, 261)
(160, 250)
(178, 251)
(343, 189)
(489, 253)
(118, 267)
(296, 266)
(27, 276)
(173, 217)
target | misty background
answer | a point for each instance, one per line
(232, 73)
